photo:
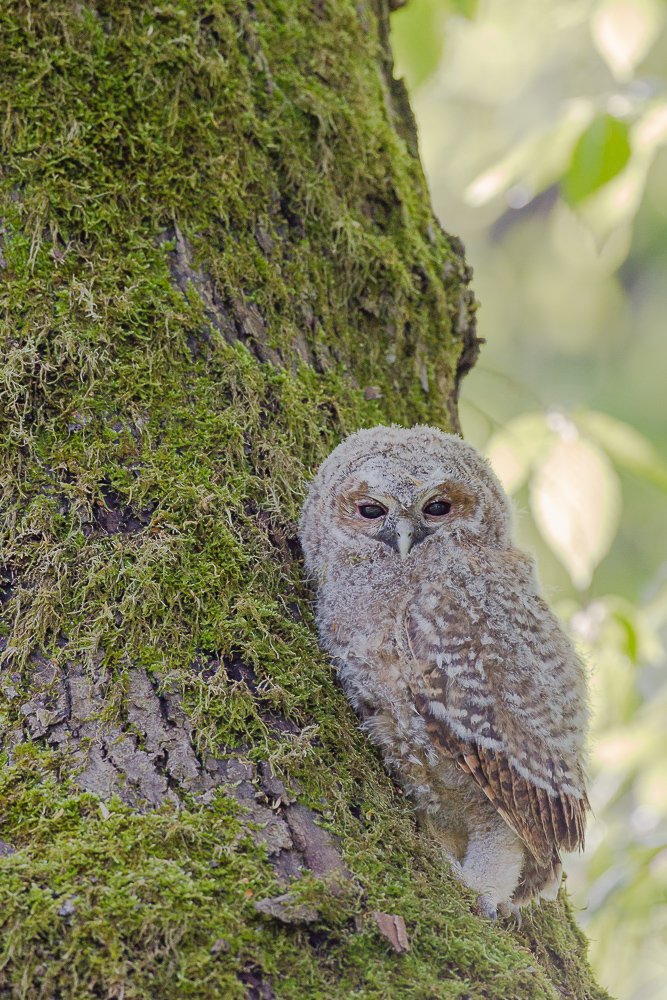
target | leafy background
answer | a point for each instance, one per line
(543, 131)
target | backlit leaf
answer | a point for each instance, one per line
(624, 31)
(514, 449)
(575, 499)
(624, 445)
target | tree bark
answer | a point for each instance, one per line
(218, 257)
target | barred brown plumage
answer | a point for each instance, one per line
(545, 823)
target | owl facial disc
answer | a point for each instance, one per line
(389, 489)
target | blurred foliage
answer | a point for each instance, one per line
(543, 128)
(601, 152)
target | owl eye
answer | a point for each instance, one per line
(371, 510)
(438, 508)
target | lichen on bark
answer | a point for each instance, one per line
(218, 257)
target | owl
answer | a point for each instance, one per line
(460, 671)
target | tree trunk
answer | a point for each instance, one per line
(218, 257)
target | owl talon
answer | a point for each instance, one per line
(510, 910)
(486, 907)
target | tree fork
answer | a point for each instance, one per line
(218, 257)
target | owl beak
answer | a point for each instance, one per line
(404, 534)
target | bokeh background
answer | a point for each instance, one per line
(543, 132)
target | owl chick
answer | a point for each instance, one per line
(460, 671)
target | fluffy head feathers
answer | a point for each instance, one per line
(402, 469)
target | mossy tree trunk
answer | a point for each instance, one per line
(218, 257)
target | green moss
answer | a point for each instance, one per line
(265, 133)
(153, 893)
(231, 123)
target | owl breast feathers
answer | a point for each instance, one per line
(460, 671)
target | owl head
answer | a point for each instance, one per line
(388, 489)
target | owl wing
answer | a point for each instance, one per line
(482, 703)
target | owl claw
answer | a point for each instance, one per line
(486, 907)
(510, 910)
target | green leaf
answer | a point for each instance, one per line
(465, 7)
(601, 153)
(416, 39)
(615, 204)
(539, 159)
(417, 36)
